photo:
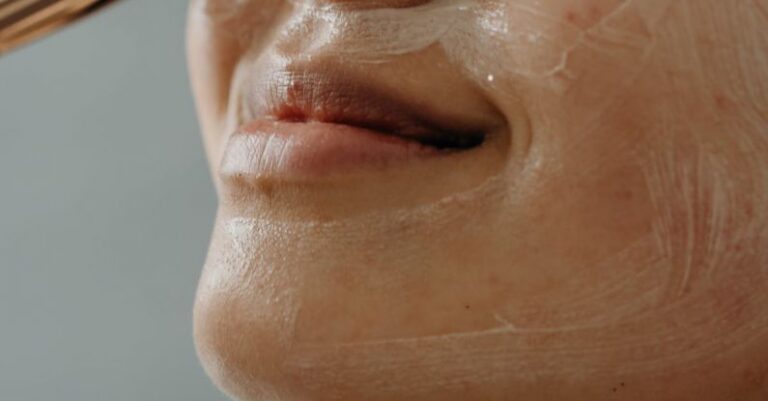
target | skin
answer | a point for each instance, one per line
(609, 243)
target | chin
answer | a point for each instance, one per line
(277, 318)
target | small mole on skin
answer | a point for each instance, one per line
(616, 389)
(267, 187)
(466, 306)
(722, 102)
(570, 16)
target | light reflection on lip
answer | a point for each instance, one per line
(301, 96)
(306, 150)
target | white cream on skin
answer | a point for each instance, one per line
(710, 202)
(468, 30)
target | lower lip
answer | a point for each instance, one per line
(266, 148)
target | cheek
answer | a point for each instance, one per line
(583, 73)
(535, 40)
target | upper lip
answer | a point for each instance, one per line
(304, 94)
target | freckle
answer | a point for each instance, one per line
(466, 306)
(570, 16)
(266, 187)
(721, 101)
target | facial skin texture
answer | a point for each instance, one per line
(609, 243)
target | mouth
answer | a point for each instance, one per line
(310, 125)
(311, 98)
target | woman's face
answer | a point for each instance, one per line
(485, 199)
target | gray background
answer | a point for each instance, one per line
(105, 212)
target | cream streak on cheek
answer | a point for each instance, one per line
(689, 292)
(377, 35)
(485, 37)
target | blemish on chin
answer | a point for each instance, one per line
(723, 102)
(266, 187)
(571, 17)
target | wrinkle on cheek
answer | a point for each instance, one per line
(708, 177)
(710, 183)
(628, 286)
(587, 330)
(694, 228)
(544, 44)
(698, 287)
(693, 284)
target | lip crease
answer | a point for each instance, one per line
(308, 124)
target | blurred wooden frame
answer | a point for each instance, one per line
(22, 21)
